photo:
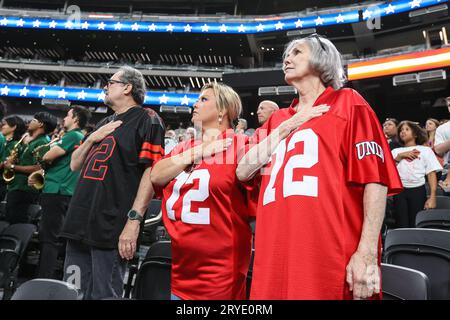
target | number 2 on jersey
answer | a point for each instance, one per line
(310, 156)
(199, 195)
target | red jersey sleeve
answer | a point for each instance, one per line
(369, 159)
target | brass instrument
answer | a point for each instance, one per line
(38, 154)
(10, 174)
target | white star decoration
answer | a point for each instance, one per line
(223, 28)
(318, 21)
(85, 25)
(279, 25)
(135, 27)
(4, 91)
(20, 23)
(389, 9)
(24, 92)
(118, 26)
(187, 28)
(415, 4)
(42, 92)
(36, 24)
(259, 28)
(101, 96)
(69, 25)
(163, 99)
(101, 26)
(367, 14)
(241, 28)
(3, 22)
(169, 28)
(52, 24)
(62, 94)
(299, 23)
(340, 18)
(205, 28)
(81, 95)
(152, 27)
(185, 100)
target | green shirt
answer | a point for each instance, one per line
(26, 158)
(2, 144)
(59, 178)
(7, 147)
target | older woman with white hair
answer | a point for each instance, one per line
(325, 169)
(205, 208)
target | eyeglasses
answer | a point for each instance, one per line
(316, 36)
(112, 81)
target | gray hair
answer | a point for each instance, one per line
(326, 61)
(136, 79)
(244, 122)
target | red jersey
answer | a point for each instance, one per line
(206, 214)
(310, 210)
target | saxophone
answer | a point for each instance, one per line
(38, 154)
(10, 174)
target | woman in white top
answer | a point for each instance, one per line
(414, 162)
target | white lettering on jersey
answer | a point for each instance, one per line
(368, 148)
(199, 195)
(310, 157)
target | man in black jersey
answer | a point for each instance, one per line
(114, 189)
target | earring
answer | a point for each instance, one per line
(220, 119)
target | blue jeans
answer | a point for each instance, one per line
(100, 272)
(174, 297)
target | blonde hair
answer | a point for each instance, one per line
(226, 99)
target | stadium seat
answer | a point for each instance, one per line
(46, 289)
(425, 250)
(3, 226)
(13, 243)
(442, 202)
(34, 213)
(153, 277)
(160, 249)
(434, 219)
(2, 210)
(400, 283)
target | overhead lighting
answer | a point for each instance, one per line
(101, 16)
(404, 63)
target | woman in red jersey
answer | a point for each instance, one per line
(323, 185)
(205, 207)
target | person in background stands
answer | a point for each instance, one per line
(265, 110)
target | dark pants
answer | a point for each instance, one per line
(407, 204)
(54, 207)
(17, 203)
(99, 272)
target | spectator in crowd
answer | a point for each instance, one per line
(113, 192)
(430, 126)
(241, 126)
(13, 128)
(88, 129)
(442, 148)
(170, 141)
(265, 110)
(414, 162)
(20, 195)
(189, 134)
(59, 184)
(205, 207)
(3, 111)
(336, 200)
(390, 131)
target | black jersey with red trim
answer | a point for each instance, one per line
(110, 177)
